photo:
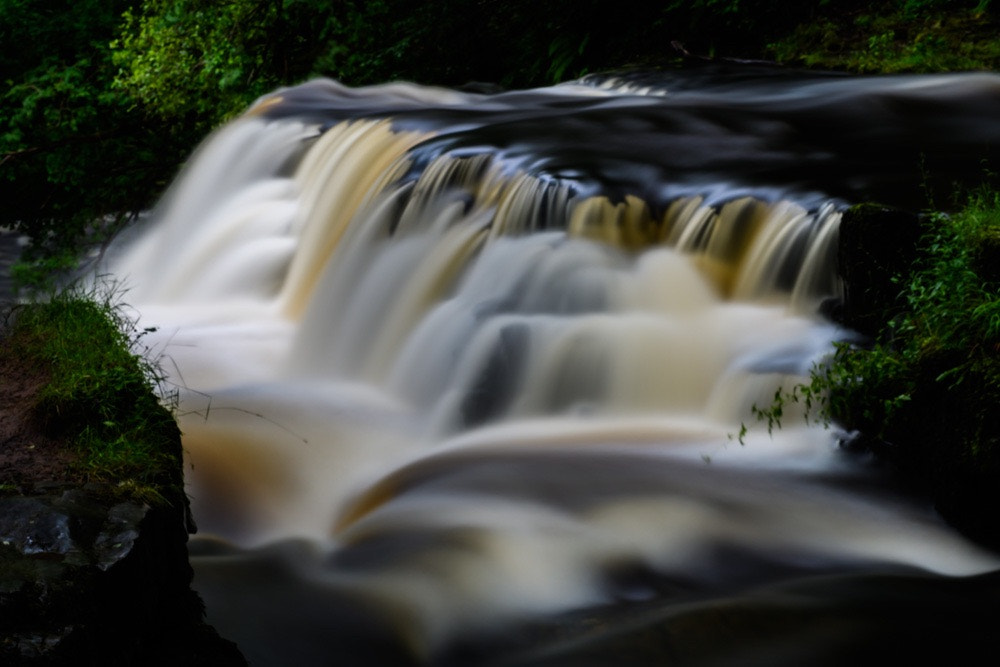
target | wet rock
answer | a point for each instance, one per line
(877, 246)
(86, 579)
(30, 526)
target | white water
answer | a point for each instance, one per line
(477, 394)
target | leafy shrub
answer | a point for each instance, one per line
(925, 394)
(77, 157)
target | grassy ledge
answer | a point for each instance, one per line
(103, 397)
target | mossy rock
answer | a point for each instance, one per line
(94, 520)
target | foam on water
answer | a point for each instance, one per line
(480, 390)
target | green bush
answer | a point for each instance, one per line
(924, 395)
(77, 158)
(945, 342)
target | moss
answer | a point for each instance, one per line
(897, 37)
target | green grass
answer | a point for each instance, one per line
(104, 395)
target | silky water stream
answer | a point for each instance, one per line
(460, 375)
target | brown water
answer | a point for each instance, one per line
(460, 374)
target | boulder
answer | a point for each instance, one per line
(88, 578)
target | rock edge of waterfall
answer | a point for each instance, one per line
(87, 574)
(88, 581)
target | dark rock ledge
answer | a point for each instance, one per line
(85, 579)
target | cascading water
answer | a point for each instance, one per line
(460, 373)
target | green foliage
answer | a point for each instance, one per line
(563, 51)
(39, 274)
(929, 386)
(902, 36)
(196, 56)
(100, 394)
(211, 58)
(75, 158)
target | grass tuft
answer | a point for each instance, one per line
(106, 395)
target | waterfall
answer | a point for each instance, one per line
(461, 362)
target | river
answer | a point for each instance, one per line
(462, 376)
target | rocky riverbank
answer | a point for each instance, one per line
(91, 571)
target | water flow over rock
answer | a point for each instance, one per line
(466, 362)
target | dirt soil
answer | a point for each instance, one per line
(29, 459)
